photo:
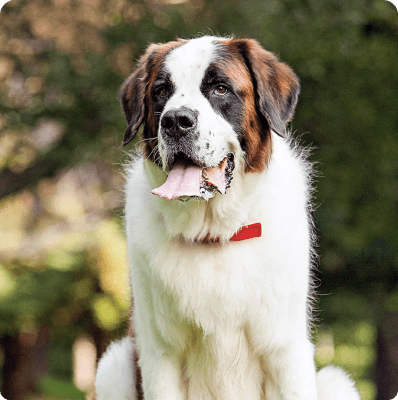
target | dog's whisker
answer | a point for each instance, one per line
(146, 140)
(154, 151)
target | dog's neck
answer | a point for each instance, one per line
(246, 232)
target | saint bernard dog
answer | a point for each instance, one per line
(219, 233)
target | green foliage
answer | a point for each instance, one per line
(345, 53)
(57, 296)
(59, 389)
(60, 359)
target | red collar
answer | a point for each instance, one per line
(246, 232)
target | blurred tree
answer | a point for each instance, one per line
(61, 63)
(41, 304)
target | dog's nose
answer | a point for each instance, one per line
(179, 122)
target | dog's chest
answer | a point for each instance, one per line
(222, 365)
(212, 285)
(203, 311)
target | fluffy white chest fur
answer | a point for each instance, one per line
(224, 320)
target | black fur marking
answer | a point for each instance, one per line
(162, 83)
(229, 105)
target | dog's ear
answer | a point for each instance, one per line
(276, 85)
(132, 94)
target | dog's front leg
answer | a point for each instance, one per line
(292, 372)
(161, 376)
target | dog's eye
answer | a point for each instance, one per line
(163, 92)
(221, 89)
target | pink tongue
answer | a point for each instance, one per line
(186, 179)
(182, 180)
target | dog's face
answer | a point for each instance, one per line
(204, 98)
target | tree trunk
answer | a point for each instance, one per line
(25, 362)
(387, 357)
(17, 382)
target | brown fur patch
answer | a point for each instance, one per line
(276, 85)
(270, 90)
(257, 140)
(158, 58)
(136, 98)
(138, 376)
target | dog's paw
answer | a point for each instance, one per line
(334, 384)
(115, 379)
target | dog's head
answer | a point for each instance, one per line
(204, 98)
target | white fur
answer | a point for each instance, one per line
(333, 383)
(187, 65)
(115, 372)
(226, 321)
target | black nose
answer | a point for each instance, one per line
(179, 122)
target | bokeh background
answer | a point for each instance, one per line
(63, 278)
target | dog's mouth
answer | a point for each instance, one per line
(187, 179)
